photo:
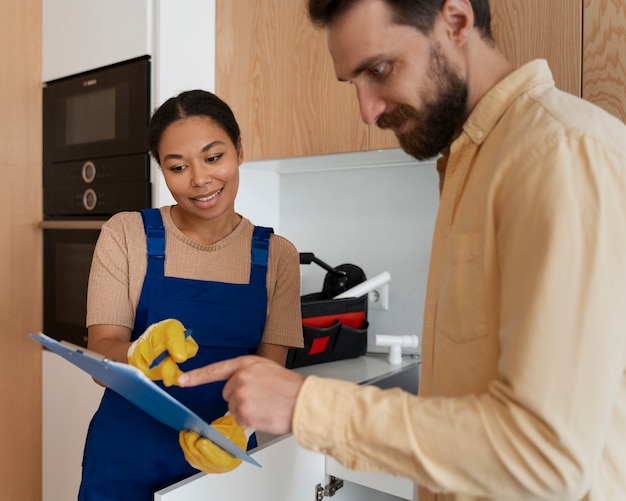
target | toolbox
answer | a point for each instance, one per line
(333, 329)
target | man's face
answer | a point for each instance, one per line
(403, 79)
(438, 118)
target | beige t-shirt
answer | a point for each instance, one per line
(119, 266)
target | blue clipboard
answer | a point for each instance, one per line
(133, 385)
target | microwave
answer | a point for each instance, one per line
(96, 114)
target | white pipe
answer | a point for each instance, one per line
(402, 341)
(396, 343)
(365, 287)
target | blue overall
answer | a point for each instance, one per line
(128, 454)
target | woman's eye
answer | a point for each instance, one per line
(177, 168)
(213, 158)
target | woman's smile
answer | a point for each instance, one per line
(207, 198)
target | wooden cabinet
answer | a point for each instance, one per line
(552, 30)
(273, 68)
(604, 55)
(583, 42)
(20, 249)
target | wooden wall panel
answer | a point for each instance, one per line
(274, 69)
(546, 29)
(604, 55)
(20, 249)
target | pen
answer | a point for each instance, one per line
(163, 355)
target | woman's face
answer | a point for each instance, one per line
(201, 167)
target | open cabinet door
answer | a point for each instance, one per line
(288, 472)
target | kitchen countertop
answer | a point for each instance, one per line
(362, 370)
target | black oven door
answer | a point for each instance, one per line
(97, 114)
(68, 250)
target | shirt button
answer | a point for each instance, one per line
(479, 134)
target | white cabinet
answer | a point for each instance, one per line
(79, 35)
(288, 472)
(70, 397)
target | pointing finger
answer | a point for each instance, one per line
(218, 371)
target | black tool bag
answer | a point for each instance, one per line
(334, 329)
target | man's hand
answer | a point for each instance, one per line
(260, 393)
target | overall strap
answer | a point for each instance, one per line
(260, 254)
(155, 240)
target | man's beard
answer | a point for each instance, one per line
(439, 118)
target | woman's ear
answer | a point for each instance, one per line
(458, 16)
(239, 149)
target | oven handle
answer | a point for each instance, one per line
(71, 225)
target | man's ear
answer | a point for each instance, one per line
(458, 16)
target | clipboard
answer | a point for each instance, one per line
(136, 387)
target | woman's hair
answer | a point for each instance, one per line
(192, 103)
(420, 14)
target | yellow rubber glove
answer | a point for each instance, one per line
(165, 337)
(204, 455)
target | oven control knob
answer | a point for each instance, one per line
(89, 171)
(90, 199)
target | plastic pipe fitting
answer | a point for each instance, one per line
(396, 343)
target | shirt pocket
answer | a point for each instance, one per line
(461, 315)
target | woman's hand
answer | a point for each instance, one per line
(160, 348)
(204, 455)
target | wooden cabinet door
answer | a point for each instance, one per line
(604, 55)
(273, 68)
(546, 29)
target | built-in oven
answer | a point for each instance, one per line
(68, 249)
(95, 163)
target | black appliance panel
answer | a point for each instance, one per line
(67, 261)
(98, 113)
(95, 164)
(96, 188)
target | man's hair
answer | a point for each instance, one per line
(420, 14)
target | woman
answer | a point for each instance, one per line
(202, 264)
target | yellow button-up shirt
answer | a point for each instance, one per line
(523, 381)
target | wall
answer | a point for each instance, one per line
(375, 210)
(20, 249)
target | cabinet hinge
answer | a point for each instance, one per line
(329, 490)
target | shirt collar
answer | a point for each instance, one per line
(496, 101)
